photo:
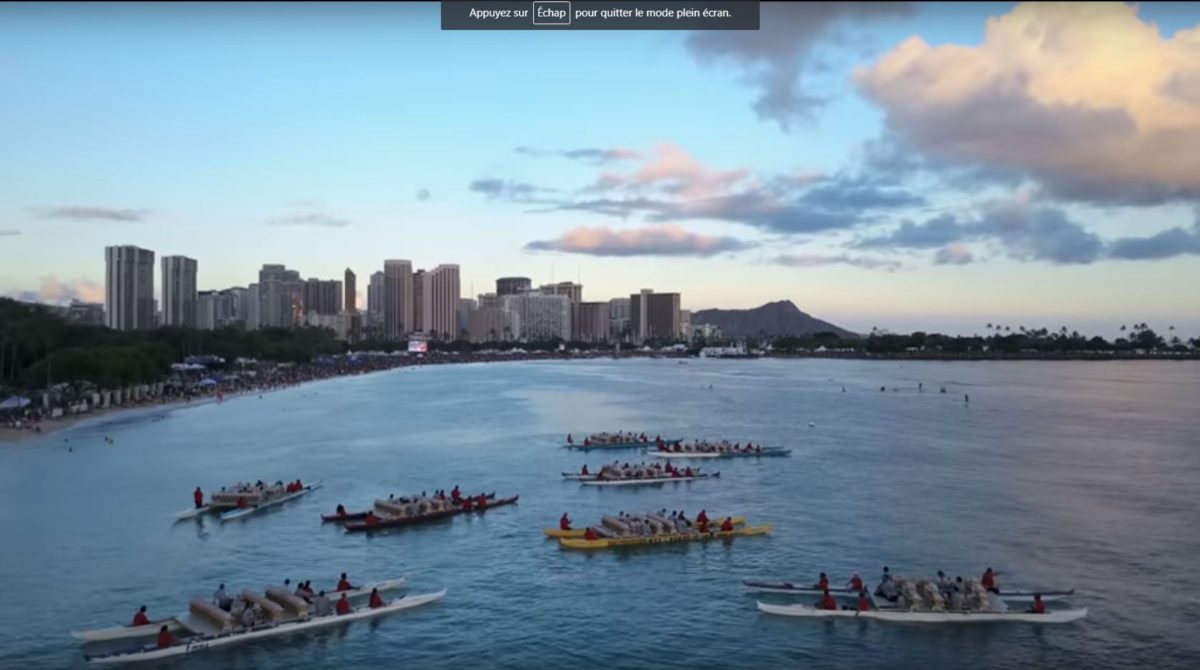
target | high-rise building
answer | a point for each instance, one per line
(350, 300)
(512, 285)
(375, 299)
(654, 315)
(441, 301)
(541, 317)
(90, 313)
(323, 296)
(220, 309)
(281, 297)
(488, 300)
(421, 300)
(178, 291)
(465, 307)
(493, 324)
(397, 298)
(250, 307)
(590, 321)
(573, 291)
(685, 323)
(618, 311)
(129, 288)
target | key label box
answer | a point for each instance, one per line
(552, 13)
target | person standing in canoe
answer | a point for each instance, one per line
(376, 602)
(140, 619)
(827, 601)
(198, 497)
(822, 583)
(343, 605)
(344, 584)
(988, 581)
(727, 526)
(565, 522)
(1039, 607)
(164, 637)
(855, 583)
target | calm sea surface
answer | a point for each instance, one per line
(1056, 474)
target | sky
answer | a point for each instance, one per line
(904, 166)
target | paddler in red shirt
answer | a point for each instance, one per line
(988, 581)
(481, 502)
(827, 602)
(241, 503)
(583, 470)
(727, 525)
(822, 583)
(376, 602)
(198, 497)
(1039, 607)
(343, 605)
(371, 519)
(466, 505)
(344, 584)
(164, 638)
(140, 619)
(565, 522)
(864, 603)
(455, 494)
(589, 534)
(855, 583)
(701, 517)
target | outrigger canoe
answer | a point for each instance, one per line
(786, 587)
(578, 532)
(617, 445)
(237, 513)
(173, 624)
(202, 642)
(644, 481)
(925, 616)
(386, 522)
(666, 538)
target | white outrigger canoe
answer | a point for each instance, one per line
(924, 616)
(240, 513)
(644, 481)
(173, 624)
(785, 587)
(202, 642)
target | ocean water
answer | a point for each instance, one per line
(1056, 474)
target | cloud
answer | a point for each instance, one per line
(74, 213)
(933, 233)
(664, 240)
(423, 195)
(313, 219)
(495, 189)
(775, 59)
(1166, 244)
(818, 260)
(9, 232)
(1084, 97)
(586, 155)
(672, 170)
(55, 291)
(954, 253)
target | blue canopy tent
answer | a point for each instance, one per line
(14, 402)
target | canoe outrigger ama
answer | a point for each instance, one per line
(925, 616)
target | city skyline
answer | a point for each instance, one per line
(801, 164)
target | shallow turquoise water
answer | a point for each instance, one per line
(1056, 474)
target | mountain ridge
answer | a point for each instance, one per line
(777, 318)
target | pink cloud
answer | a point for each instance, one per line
(662, 240)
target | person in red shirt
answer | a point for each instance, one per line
(1039, 607)
(565, 522)
(455, 494)
(198, 497)
(583, 470)
(164, 638)
(241, 503)
(587, 441)
(344, 584)
(299, 485)
(687, 471)
(589, 534)
(702, 526)
(376, 601)
(827, 601)
(702, 517)
(727, 525)
(481, 502)
(343, 605)
(466, 505)
(988, 581)
(864, 603)
(822, 583)
(855, 583)
(371, 519)
(140, 619)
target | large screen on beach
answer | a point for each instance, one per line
(417, 346)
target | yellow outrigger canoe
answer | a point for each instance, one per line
(577, 533)
(637, 541)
